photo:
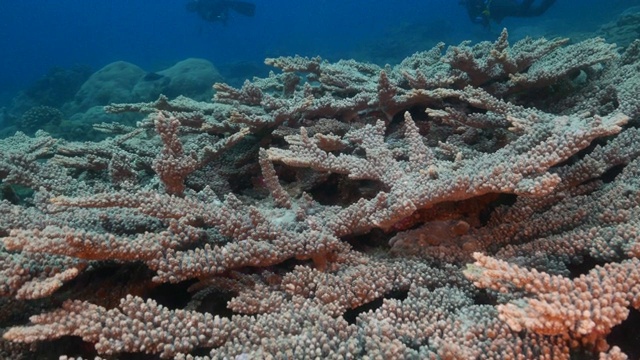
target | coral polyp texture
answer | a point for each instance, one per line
(472, 202)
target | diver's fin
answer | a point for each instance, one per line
(243, 7)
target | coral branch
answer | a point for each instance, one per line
(585, 308)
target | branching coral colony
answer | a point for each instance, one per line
(478, 202)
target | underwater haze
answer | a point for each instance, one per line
(39, 35)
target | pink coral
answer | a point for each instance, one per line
(277, 202)
(584, 309)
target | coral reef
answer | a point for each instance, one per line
(625, 29)
(79, 96)
(472, 202)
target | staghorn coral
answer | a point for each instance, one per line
(334, 210)
(583, 309)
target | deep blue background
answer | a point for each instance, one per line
(36, 35)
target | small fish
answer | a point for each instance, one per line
(151, 76)
(218, 10)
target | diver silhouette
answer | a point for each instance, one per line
(218, 10)
(485, 11)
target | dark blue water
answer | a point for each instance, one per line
(36, 35)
